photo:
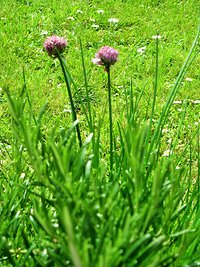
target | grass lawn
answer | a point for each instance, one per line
(130, 194)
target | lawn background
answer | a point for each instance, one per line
(61, 220)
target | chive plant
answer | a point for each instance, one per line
(106, 57)
(59, 208)
(55, 47)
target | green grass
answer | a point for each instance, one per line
(59, 204)
(25, 25)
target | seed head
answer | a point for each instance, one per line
(55, 44)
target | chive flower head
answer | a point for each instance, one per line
(54, 45)
(106, 56)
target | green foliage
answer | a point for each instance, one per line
(59, 205)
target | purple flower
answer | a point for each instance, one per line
(55, 44)
(106, 56)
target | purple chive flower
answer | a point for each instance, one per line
(106, 56)
(55, 44)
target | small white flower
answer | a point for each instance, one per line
(158, 36)
(79, 11)
(169, 141)
(99, 215)
(44, 32)
(189, 79)
(44, 252)
(141, 50)
(22, 175)
(113, 20)
(67, 110)
(91, 19)
(165, 130)
(100, 11)
(95, 26)
(177, 102)
(167, 153)
(196, 102)
(177, 167)
(56, 225)
(71, 18)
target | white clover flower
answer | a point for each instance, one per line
(177, 102)
(100, 11)
(196, 102)
(189, 79)
(22, 175)
(55, 225)
(141, 50)
(44, 252)
(67, 110)
(165, 130)
(95, 26)
(79, 11)
(113, 20)
(169, 141)
(167, 153)
(71, 18)
(43, 32)
(158, 36)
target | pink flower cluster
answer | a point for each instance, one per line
(55, 44)
(106, 56)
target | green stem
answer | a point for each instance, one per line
(86, 87)
(154, 97)
(155, 85)
(155, 141)
(110, 118)
(74, 116)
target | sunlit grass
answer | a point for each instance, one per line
(59, 205)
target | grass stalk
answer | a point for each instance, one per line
(154, 94)
(86, 87)
(165, 111)
(74, 116)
